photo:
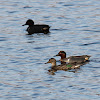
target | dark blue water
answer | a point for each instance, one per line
(75, 28)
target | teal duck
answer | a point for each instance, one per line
(72, 59)
(36, 28)
(62, 66)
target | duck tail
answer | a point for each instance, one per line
(87, 57)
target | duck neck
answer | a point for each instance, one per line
(53, 64)
(63, 56)
(31, 25)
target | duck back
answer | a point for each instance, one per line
(76, 60)
(38, 29)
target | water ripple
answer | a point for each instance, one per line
(90, 43)
(75, 27)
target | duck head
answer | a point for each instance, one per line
(62, 54)
(52, 61)
(29, 22)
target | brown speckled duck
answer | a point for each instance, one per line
(72, 59)
(35, 28)
(62, 66)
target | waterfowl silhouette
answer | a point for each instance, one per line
(36, 28)
(72, 59)
(62, 66)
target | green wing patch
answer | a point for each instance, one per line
(68, 65)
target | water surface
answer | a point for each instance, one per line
(75, 28)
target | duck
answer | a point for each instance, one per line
(73, 59)
(36, 28)
(65, 67)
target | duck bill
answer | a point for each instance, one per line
(47, 62)
(24, 25)
(57, 55)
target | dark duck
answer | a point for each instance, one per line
(36, 28)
